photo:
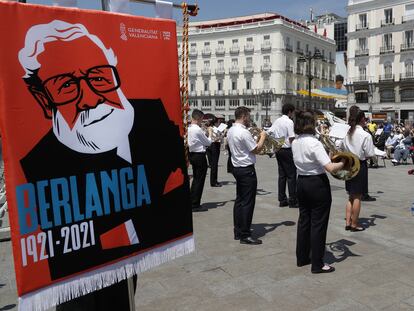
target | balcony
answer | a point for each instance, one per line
(387, 22)
(192, 93)
(289, 68)
(247, 92)
(266, 68)
(324, 76)
(407, 76)
(407, 18)
(388, 77)
(220, 51)
(361, 79)
(288, 47)
(248, 69)
(361, 52)
(220, 71)
(299, 51)
(206, 52)
(360, 27)
(234, 70)
(387, 49)
(331, 61)
(299, 71)
(219, 93)
(233, 92)
(193, 52)
(266, 46)
(407, 47)
(192, 73)
(249, 48)
(205, 93)
(235, 49)
(206, 72)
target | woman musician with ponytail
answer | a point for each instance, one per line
(360, 143)
(314, 193)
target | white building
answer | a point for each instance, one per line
(381, 55)
(252, 61)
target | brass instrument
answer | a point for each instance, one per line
(270, 145)
(352, 164)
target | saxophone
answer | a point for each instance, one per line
(270, 145)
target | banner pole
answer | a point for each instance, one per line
(131, 294)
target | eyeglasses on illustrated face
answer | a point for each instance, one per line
(65, 88)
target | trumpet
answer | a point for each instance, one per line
(352, 164)
(270, 145)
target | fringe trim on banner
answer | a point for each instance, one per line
(58, 293)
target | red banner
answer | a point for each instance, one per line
(96, 179)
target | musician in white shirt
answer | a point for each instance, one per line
(359, 143)
(197, 144)
(243, 148)
(314, 193)
(283, 127)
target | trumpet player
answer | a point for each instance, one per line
(314, 193)
(197, 144)
(243, 149)
(213, 153)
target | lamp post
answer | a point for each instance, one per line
(308, 59)
(266, 94)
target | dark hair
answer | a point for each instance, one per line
(305, 122)
(287, 108)
(355, 117)
(230, 123)
(197, 114)
(241, 112)
(339, 78)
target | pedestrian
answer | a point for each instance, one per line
(197, 144)
(314, 193)
(283, 127)
(360, 143)
(243, 148)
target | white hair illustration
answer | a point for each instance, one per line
(57, 30)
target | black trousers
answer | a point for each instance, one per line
(314, 195)
(246, 186)
(229, 163)
(287, 173)
(213, 155)
(199, 163)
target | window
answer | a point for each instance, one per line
(363, 21)
(409, 69)
(192, 87)
(362, 72)
(220, 103)
(249, 102)
(220, 85)
(388, 69)
(307, 48)
(387, 41)
(206, 44)
(266, 37)
(234, 85)
(193, 45)
(234, 103)
(298, 45)
(206, 65)
(249, 40)
(408, 38)
(362, 42)
(234, 62)
(206, 86)
(361, 97)
(388, 16)
(220, 64)
(206, 103)
(193, 102)
(235, 41)
(193, 65)
(407, 95)
(266, 60)
(248, 85)
(387, 95)
(249, 62)
(266, 83)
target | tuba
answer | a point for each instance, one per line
(270, 145)
(352, 165)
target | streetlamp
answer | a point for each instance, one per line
(266, 94)
(308, 59)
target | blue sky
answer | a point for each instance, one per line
(212, 9)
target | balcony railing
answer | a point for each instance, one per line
(206, 72)
(266, 68)
(387, 22)
(193, 52)
(360, 79)
(192, 73)
(387, 49)
(361, 52)
(234, 70)
(407, 47)
(362, 26)
(386, 77)
(248, 69)
(331, 61)
(247, 92)
(407, 76)
(288, 47)
(235, 49)
(192, 93)
(234, 92)
(219, 93)
(249, 48)
(220, 71)
(205, 93)
(266, 46)
(289, 68)
(206, 52)
(220, 51)
(408, 18)
(299, 71)
(299, 51)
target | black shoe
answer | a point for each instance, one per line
(251, 241)
(199, 209)
(236, 237)
(347, 228)
(357, 229)
(321, 270)
(216, 185)
(283, 204)
(294, 205)
(368, 198)
(302, 264)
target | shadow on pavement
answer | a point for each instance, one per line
(212, 205)
(8, 307)
(262, 192)
(339, 251)
(260, 230)
(370, 221)
(226, 183)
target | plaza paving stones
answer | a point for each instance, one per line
(374, 268)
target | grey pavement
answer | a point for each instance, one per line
(374, 268)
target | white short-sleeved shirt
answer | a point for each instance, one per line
(241, 143)
(197, 139)
(309, 155)
(283, 127)
(360, 144)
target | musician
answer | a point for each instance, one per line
(360, 143)
(283, 127)
(314, 193)
(229, 164)
(243, 148)
(213, 153)
(197, 144)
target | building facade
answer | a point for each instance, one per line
(380, 57)
(252, 61)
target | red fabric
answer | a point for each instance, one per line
(115, 237)
(175, 180)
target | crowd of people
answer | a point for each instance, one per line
(302, 164)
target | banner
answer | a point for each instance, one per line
(91, 123)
